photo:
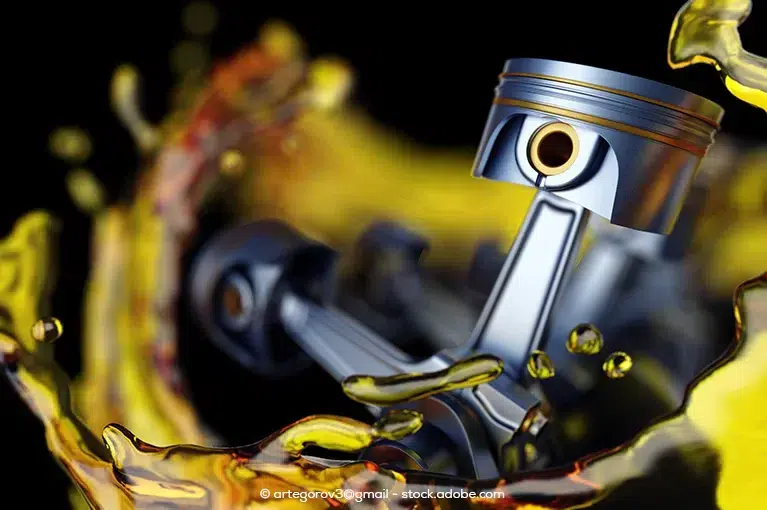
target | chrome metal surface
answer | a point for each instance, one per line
(644, 139)
(634, 147)
(513, 322)
(344, 348)
(256, 261)
(611, 95)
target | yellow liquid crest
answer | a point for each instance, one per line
(706, 32)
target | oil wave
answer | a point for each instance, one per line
(126, 472)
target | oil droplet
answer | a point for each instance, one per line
(85, 190)
(124, 91)
(47, 330)
(279, 39)
(397, 424)
(188, 57)
(540, 365)
(199, 18)
(617, 365)
(330, 81)
(706, 32)
(70, 144)
(407, 387)
(585, 339)
(232, 163)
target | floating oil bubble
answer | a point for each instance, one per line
(199, 18)
(330, 81)
(617, 365)
(47, 330)
(189, 57)
(232, 163)
(71, 144)
(406, 387)
(585, 339)
(540, 366)
(279, 39)
(85, 190)
(706, 32)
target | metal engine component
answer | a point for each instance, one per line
(622, 147)
(235, 282)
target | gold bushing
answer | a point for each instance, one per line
(553, 148)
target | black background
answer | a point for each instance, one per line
(428, 71)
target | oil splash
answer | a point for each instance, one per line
(131, 375)
(617, 365)
(258, 123)
(124, 92)
(540, 366)
(344, 435)
(734, 221)
(125, 472)
(585, 339)
(706, 32)
(384, 391)
(27, 275)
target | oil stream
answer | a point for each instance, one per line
(706, 32)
